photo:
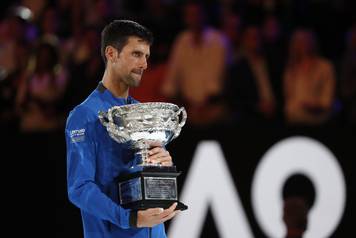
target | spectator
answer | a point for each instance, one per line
(348, 78)
(40, 90)
(196, 69)
(232, 26)
(309, 82)
(274, 49)
(249, 86)
(298, 198)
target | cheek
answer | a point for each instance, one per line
(127, 64)
(123, 68)
(132, 63)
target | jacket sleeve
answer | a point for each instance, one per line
(83, 191)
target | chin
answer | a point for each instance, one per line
(135, 82)
(135, 85)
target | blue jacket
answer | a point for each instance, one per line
(94, 159)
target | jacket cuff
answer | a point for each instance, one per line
(133, 219)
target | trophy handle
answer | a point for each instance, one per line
(119, 133)
(103, 117)
(182, 121)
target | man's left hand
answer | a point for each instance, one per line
(159, 155)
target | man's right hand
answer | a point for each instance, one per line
(155, 216)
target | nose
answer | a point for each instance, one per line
(143, 63)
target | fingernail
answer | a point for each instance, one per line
(161, 210)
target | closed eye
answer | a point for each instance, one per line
(139, 54)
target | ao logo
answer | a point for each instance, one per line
(293, 155)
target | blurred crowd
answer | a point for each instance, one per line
(229, 62)
(248, 61)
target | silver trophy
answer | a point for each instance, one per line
(140, 127)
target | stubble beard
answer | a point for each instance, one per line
(133, 82)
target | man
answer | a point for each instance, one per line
(196, 69)
(94, 159)
(309, 82)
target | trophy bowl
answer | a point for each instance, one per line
(140, 127)
(144, 125)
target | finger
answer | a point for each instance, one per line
(170, 216)
(153, 211)
(155, 150)
(162, 161)
(161, 154)
(175, 213)
(167, 163)
(173, 206)
(168, 210)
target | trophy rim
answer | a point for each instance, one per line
(143, 104)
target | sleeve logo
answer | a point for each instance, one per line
(77, 135)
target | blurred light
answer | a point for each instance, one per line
(3, 73)
(23, 12)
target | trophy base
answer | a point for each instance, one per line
(143, 205)
(153, 187)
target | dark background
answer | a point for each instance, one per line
(243, 147)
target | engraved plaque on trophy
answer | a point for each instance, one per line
(140, 127)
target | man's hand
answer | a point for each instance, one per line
(155, 216)
(159, 155)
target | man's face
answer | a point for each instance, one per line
(132, 61)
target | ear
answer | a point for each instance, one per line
(111, 54)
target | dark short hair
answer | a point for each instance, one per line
(117, 32)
